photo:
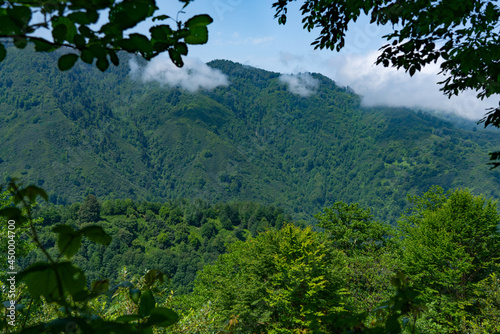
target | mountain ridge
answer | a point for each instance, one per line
(83, 131)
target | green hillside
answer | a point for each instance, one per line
(82, 131)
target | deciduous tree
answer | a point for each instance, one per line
(450, 244)
(283, 281)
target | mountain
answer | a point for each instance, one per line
(82, 131)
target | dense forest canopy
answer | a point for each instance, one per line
(115, 247)
(82, 131)
(243, 267)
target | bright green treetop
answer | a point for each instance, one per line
(450, 243)
(352, 228)
(279, 282)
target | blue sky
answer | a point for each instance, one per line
(246, 32)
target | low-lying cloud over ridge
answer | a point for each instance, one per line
(381, 86)
(194, 75)
(302, 84)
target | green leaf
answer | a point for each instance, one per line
(96, 234)
(160, 17)
(67, 61)
(8, 26)
(176, 58)
(142, 43)
(182, 48)
(127, 45)
(198, 21)
(97, 50)
(79, 17)
(197, 28)
(99, 287)
(43, 45)
(147, 303)
(20, 42)
(115, 288)
(92, 15)
(161, 33)
(13, 213)
(64, 29)
(113, 57)
(20, 14)
(152, 276)
(128, 318)
(33, 191)
(102, 63)
(176, 52)
(86, 31)
(42, 280)
(3, 52)
(79, 41)
(87, 56)
(198, 35)
(162, 316)
(127, 14)
(135, 295)
(63, 229)
(59, 33)
(68, 241)
(73, 278)
(147, 330)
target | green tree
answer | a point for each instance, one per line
(90, 210)
(352, 228)
(450, 244)
(73, 25)
(279, 282)
(462, 35)
(369, 247)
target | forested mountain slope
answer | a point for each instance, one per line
(82, 131)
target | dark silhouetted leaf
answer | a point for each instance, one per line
(43, 45)
(3, 52)
(68, 241)
(102, 63)
(67, 61)
(113, 57)
(128, 318)
(135, 295)
(20, 42)
(99, 287)
(162, 316)
(87, 56)
(96, 234)
(147, 303)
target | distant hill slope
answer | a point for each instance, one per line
(84, 131)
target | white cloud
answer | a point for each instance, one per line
(262, 40)
(379, 85)
(302, 84)
(236, 39)
(194, 75)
